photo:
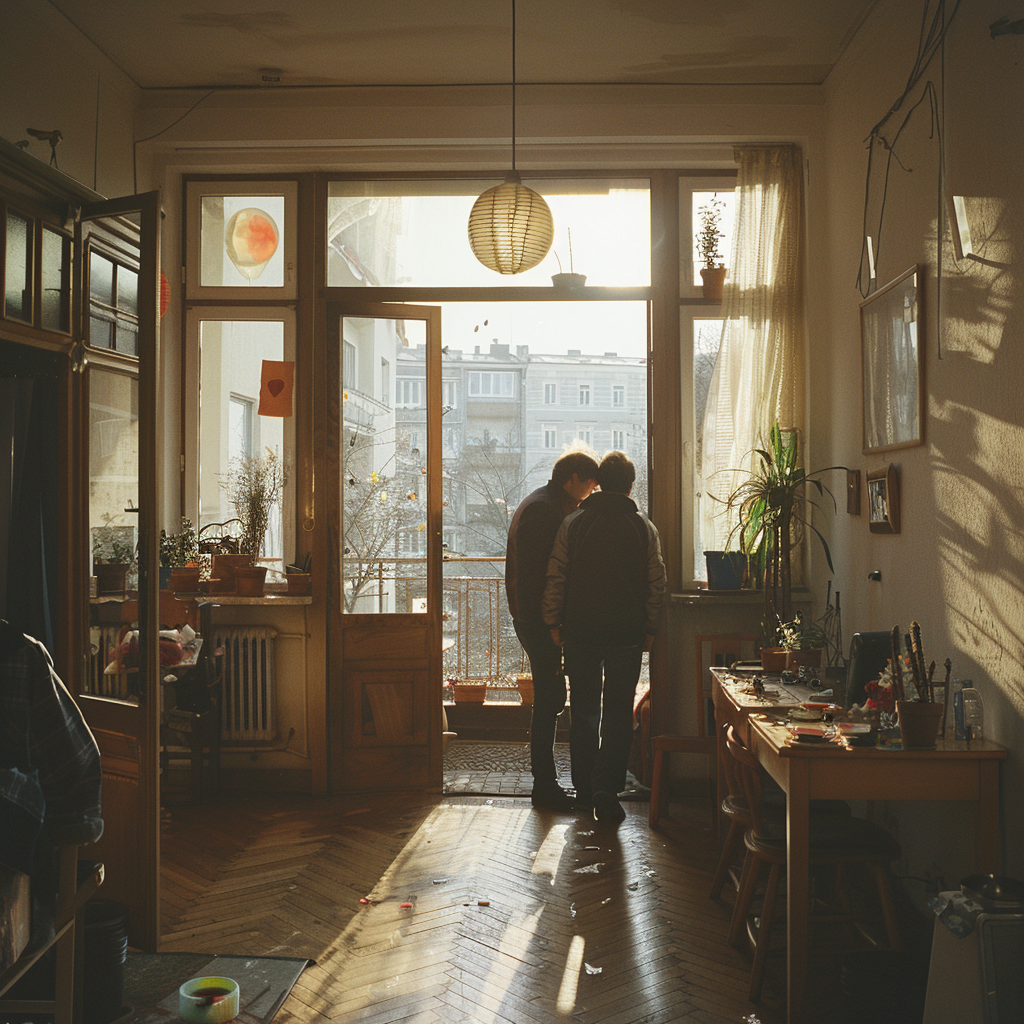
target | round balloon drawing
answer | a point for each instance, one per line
(251, 239)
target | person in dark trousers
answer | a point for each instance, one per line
(602, 598)
(530, 537)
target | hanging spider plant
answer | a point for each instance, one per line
(772, 509)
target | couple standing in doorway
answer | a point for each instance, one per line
(585, 582)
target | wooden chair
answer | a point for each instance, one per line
(737, 812)
(191, 717)
(836, 840)
(75, 888)
(711, 650)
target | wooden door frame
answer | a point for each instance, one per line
(357, 626)
(106, 716)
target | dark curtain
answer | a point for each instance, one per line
(28, 504)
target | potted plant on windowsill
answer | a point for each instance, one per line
(709, 240)
(179, 558)
(113, 557)
(254, 486)
(572, 280)
(772, 509)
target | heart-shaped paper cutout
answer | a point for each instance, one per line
(275, 386)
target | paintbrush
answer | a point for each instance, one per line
(918, 685)
(917, 656)
(931, 685)
(897, 671)
(945, 697)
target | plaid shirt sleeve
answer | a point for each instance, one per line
(62, 750)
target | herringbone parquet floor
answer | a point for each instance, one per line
(479, 910)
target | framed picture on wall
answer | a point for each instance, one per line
(884, 500)
(892, 365)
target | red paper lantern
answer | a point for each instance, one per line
(165, 294)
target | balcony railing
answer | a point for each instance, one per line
(480, 641)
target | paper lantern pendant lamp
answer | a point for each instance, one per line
(510, 227)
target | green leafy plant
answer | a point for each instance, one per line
(797, 635)
(111, 548)
(179, 549)
(254, 487)
(709, 234)
(772, 509)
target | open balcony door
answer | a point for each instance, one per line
(385, 557)
(114, 499)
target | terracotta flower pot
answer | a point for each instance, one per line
(811, 658)
(714, 281)
(470, 693)
(524, 683)
(111, 577)
(298, 582)
(919, 723)
(185, 579)
(773, 659)
(250, 580)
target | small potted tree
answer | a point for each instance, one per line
(254, 487)
(113, 555)
(803, 642)
(179, 558)
(709, 242)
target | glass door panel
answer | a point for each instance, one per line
(384, 421)
(384, 466)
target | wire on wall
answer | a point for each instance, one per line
(931, 40)
(156, 135)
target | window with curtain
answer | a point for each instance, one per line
(757, 346)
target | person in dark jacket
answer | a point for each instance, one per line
(530, 537)
(603, 594)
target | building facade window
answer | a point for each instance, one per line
(348, 365)
(492, 385)
(618, 396)
(449, 389)
(585, 433)
(240, 423)
(550, 394)
(584, 394)
(385, 381)
(409, 393)
(550, 434)
(619, 440)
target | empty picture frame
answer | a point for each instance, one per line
(892, 365)
(884, 500)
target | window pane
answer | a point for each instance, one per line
(241, 241)
(56, 281)
(127, 290)
(707, 340)
(18, 288)
(383, 467)
(113, 444)
(101, 279)
(231, 354)
(101, 332)
(703, 200)
(126, 337)
(384, 233)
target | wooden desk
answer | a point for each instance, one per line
(733, 707)
(955, 770)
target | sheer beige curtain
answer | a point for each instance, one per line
(758, 376)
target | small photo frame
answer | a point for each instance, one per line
(884, 500)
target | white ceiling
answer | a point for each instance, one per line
(191, 43)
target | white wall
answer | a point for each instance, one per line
(958, 565)
(52, 77)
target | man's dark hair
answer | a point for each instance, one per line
(580, 463)
(616, 473)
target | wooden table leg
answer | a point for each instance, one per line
(797, 884)
(986, 840)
